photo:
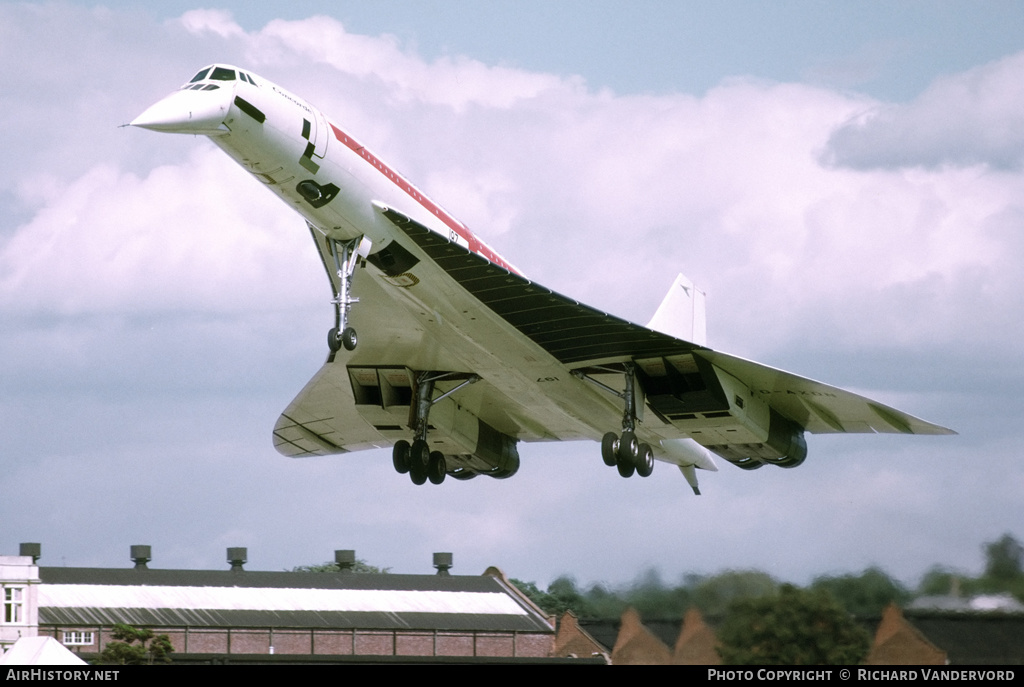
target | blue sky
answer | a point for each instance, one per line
(888, 50)
(843, 180)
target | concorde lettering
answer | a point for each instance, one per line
(459, 357)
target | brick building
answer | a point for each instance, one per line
(236, 613)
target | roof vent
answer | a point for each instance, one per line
(237, 557)
(29, 549)
(141, 554)
(442, 561)
(346, 560)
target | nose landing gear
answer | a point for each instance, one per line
(347, 254)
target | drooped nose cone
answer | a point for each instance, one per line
(188, 112)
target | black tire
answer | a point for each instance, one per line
(628, 449)
(438, 468)
(400, 456)
(349, 339)
(626, 467)
(418, 476)
(333, 342)
(609, 448)
(419, 456)
(645, 461)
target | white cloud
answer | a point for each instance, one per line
(199, 235)
(218, 22)
(600, 196)
(971, 118)
(454, 81)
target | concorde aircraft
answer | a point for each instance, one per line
(460, 357)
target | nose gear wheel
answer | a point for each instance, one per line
(346, 254)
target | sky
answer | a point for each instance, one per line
(845, 181)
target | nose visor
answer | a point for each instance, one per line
(189, 112)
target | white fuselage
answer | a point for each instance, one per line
(431, 323)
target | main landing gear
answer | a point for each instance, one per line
(416, 458)
(347, 254)
(625, 452)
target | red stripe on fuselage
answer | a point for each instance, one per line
(398, 180)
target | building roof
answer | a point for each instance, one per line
(697, 642)
(897, 642)
(636, 645)
(39, 651)
(197, 598)
(974, 638)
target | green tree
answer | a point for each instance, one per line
(1003, 559)
(605, 603)
(791, 627)
(655, 600)
(943, 581)
(126, 652)
(360, 566)
(864, 595)
(565, 596)
(713, 595)
(561, 596)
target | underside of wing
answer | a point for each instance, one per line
(817, 407)
(323, 419)
(551, 369)
(581, 337)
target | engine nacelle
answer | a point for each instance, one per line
(720, 412)
(787, 439)
(384, 396)
(471, 443)
(497, 449)
(785, 446)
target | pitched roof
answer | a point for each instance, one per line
(696, 643)
(897, 642)
(103, 596)
(636, 645)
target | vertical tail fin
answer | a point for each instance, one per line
(681, 313)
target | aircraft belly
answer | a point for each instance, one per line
(432, 326)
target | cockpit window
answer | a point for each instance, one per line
(222, 74)
(200, 76)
